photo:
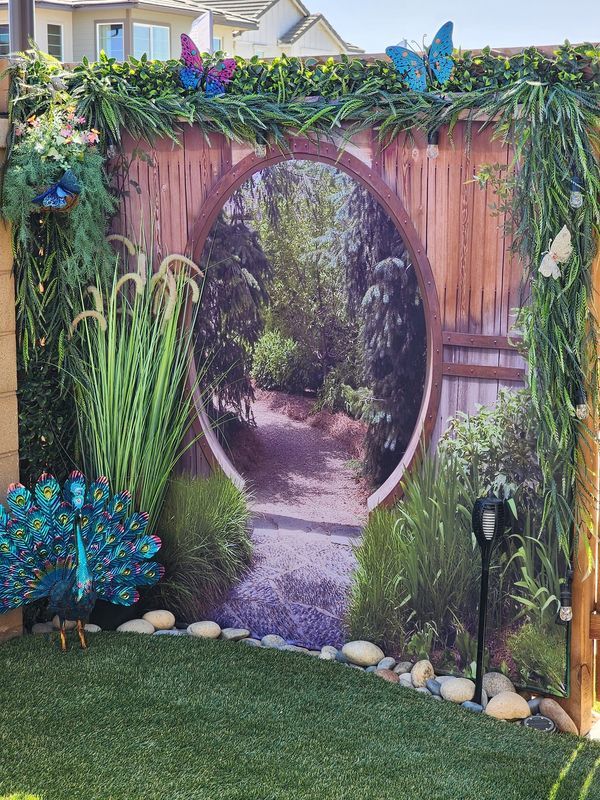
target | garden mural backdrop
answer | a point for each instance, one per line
(381, 287)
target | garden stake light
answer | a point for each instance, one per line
(488, 526)
(433, 141)
(576, 196)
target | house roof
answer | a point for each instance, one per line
(302, 27)
(193, 7)
(249, 8)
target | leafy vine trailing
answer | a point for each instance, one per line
(545, 107)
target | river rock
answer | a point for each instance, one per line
(421, 672)
(234, 634)
(293, 648)
(206, 629)
(441, 679)
(172, 632)
(91, 628)
(136, 626)
(387, 663)
(387, 675)
(551, 709)
(70, 624)
(423, 690)
(326, 655)
(402, 667)
(458, 690)
(42, 627)
(508, 705)
(251, 642)
(329, 648)
(161, 620)
(496, 682)
(470, 706)
(434, 686)
(406, 680)
(272, 640)
(363, 654)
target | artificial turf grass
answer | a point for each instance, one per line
(141, 718)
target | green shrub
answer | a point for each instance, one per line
(206, 543)
(499, 442)
(417, 563)
(540, 653)
(275, 361)
(378, 599)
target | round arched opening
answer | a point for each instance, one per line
(425, 411)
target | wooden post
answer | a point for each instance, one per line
(11, 624)
(21, 16)
(581, 699)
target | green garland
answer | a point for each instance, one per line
(545, 108)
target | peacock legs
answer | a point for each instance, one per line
(81, 634)
(63, 636)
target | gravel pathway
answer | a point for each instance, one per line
(309, 510)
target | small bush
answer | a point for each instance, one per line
(206, 542)
(416, 563)
(541, 655)
(499, 443)
(274, 364)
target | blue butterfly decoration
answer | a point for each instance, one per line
(60, 196)
(436, 62)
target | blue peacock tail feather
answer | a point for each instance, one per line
(73, 546)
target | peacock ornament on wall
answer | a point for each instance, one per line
(73, 547)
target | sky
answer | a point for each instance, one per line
(375, 24)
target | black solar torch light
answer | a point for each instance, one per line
(488, 527)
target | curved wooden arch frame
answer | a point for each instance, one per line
(303, 149)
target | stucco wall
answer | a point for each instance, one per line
(11, 623)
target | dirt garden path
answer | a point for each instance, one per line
(297, 465)
(309, 509)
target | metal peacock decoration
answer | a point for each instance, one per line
(73, 549)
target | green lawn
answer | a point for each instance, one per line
(142, 718)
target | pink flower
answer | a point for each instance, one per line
(19, 130)
(80, 120)
(92, 137)
(66, 132)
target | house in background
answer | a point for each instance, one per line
(72, 29)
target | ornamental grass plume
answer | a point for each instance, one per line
(134, 404)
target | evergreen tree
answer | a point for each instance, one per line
(230, 322)
(394, 342)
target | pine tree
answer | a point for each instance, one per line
(394, 341)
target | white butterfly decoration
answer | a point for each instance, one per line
(560, 251)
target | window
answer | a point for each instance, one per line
(55, 41)
(111, 40)
(4, 40)
(217, 46)
(152, 40)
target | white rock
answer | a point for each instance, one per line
(136, 626)
(234, 634)
(406, 680)
(329, 648)
(421, 672)
(326, 655)
(204, 630)
(363, 654)
(496, 682)
(508, 705)
(458, 690)
(272, 640)
(70, 624)
(91, 628)
(161, 620)
(42, 627)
